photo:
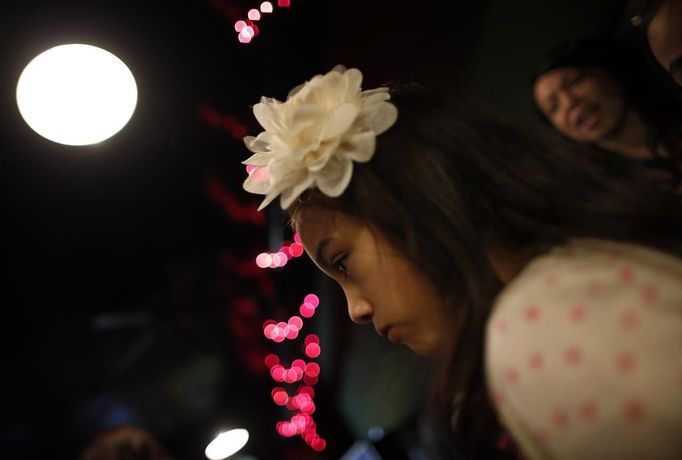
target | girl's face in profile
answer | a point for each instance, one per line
(381, 285)
(584, 103)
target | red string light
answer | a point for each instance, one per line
(301, 403)
(280, 258)
(245, 27)
(216, 119)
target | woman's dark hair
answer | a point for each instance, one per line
(449, 185)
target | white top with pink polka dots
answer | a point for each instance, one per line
(584, 354)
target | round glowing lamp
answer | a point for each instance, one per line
(76, 94)
(226, 444)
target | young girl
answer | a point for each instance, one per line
(549, 282)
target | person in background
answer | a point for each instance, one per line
(599, 92)
(662, 21)
(550, 290)
(124, 443)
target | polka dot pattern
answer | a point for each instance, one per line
(583, 354)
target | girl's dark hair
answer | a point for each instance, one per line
(449, 185)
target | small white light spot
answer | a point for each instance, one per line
(226, 444)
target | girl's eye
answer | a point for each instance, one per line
(339, 264)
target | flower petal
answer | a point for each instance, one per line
(381, 117)
(258, 159)
(267, 114)
(293, 192)
(359, 147)
(258, 181)
(260, 143)
(340, 121)
(332, 181)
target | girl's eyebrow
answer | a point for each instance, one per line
(319, 253)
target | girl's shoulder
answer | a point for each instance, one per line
(582, 353)
(595, 271)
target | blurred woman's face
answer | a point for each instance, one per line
(381, 284)
(585, 104)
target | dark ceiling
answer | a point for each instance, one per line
(123, 296)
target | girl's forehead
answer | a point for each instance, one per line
(317, 223)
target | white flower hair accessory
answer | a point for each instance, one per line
(312, 139)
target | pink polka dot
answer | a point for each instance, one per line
(536, 361)
(626, 362)
(595, 288)
(629, 319)
(626, 275)
(551, 280)
(500, 325)
(541, 435)
(649, 294)
(588, 410)
(532, 313)
(634, 410)
(573, 356)
(511, 375)
(577, 313)
(559, 418)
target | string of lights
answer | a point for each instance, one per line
(247, 29)
(299, 400)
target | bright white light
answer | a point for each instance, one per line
(76, 94)
(226, 444)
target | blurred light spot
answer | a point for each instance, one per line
(266, 7)
(271, 360)
(312, 299)
(280, 396)
(243, 38)
(76, 94)
(311, 338)
(283, 3)
(312, 350)
(297, 238)
(263, 260)
(277, 372)
(306, 310)
(283, 259)
(296, 322)
(270, 331)
(310, 380)
(239, 25)
(375, 433)
(312, 369)
(305, 389)
(254, 14)
(226, 444)
(319, 445)
(299, 364)
(296, 249)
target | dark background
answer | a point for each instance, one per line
(124, 296)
